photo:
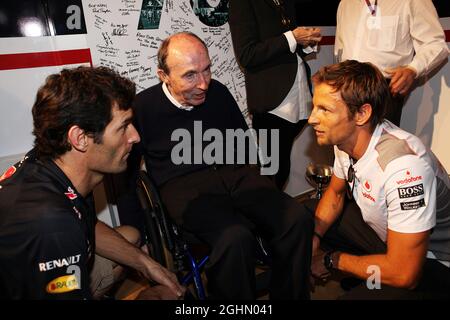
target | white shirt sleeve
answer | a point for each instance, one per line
(410, 195)
(293, 43)
(291, 40)
(428, 37)
(338, 46)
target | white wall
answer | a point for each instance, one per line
(18, 89)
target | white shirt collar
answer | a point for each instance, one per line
(173, 100)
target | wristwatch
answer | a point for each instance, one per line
(328, 260)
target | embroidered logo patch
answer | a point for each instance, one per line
(63, 284)
(410, 192)
(367, 185)
(412, 205)
(71, 194)
(59, 263)
(409, 177)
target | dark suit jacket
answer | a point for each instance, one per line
(263, 52)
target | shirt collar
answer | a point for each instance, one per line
(376, 134)
(173, 100)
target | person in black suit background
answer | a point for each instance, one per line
(270, 47)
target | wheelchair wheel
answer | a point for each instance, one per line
(153, 233)
(165, 241)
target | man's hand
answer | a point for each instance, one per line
(318, 270)
(154, 271)
(402, 78)
(158, 293)
(307, 36)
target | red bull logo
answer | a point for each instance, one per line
(71, 194)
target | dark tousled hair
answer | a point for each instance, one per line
(358, 83)
(82, 96)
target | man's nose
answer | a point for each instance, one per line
(133, 135)
(312, 120)
(203, 82)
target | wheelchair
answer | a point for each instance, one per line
(166, 242)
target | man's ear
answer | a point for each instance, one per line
(362, 116)
(78, 138)
(163, 76)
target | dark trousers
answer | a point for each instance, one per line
(351, 234)
(394, 111)
(223, 206)
(288, 132)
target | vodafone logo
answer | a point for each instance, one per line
(367, 185)
(368, 196)
(409, 178)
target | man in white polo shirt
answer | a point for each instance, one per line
(395, 230)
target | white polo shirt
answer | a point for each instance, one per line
(400, 185)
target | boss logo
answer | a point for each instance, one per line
(410, 192)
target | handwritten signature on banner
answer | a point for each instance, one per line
(118, 43)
